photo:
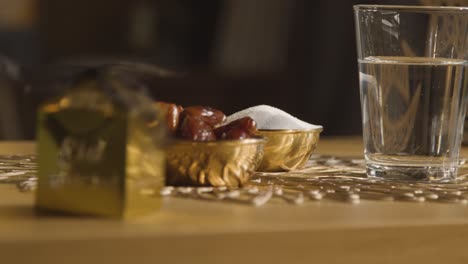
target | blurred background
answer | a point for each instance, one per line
(297, 55)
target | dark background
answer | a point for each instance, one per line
(296, 55)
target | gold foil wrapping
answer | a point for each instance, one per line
(287, 150)
(218, 163)
(100, 151)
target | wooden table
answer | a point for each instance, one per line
(186, 231)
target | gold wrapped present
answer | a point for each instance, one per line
(100, 149)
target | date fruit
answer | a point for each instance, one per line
(194, 128)
(241, 128)
(171, 114)
(207, 114)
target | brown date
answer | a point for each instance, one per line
(194, 128)
(207, 114)
(238, 129)
(235, 133)
(171, 114)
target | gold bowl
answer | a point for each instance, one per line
(287, 150)
(216, 163)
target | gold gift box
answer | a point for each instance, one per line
(100, 149)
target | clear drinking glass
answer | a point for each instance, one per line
(412, 70)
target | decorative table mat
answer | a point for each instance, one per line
(324, 178)
(20, 170)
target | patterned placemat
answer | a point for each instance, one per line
(324, 178)
(329, 178)
(20, 170)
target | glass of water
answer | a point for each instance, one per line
(412, 70)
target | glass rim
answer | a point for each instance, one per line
(410, 8)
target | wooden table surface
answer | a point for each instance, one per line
(186, 231)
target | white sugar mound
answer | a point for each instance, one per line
(269, 117)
